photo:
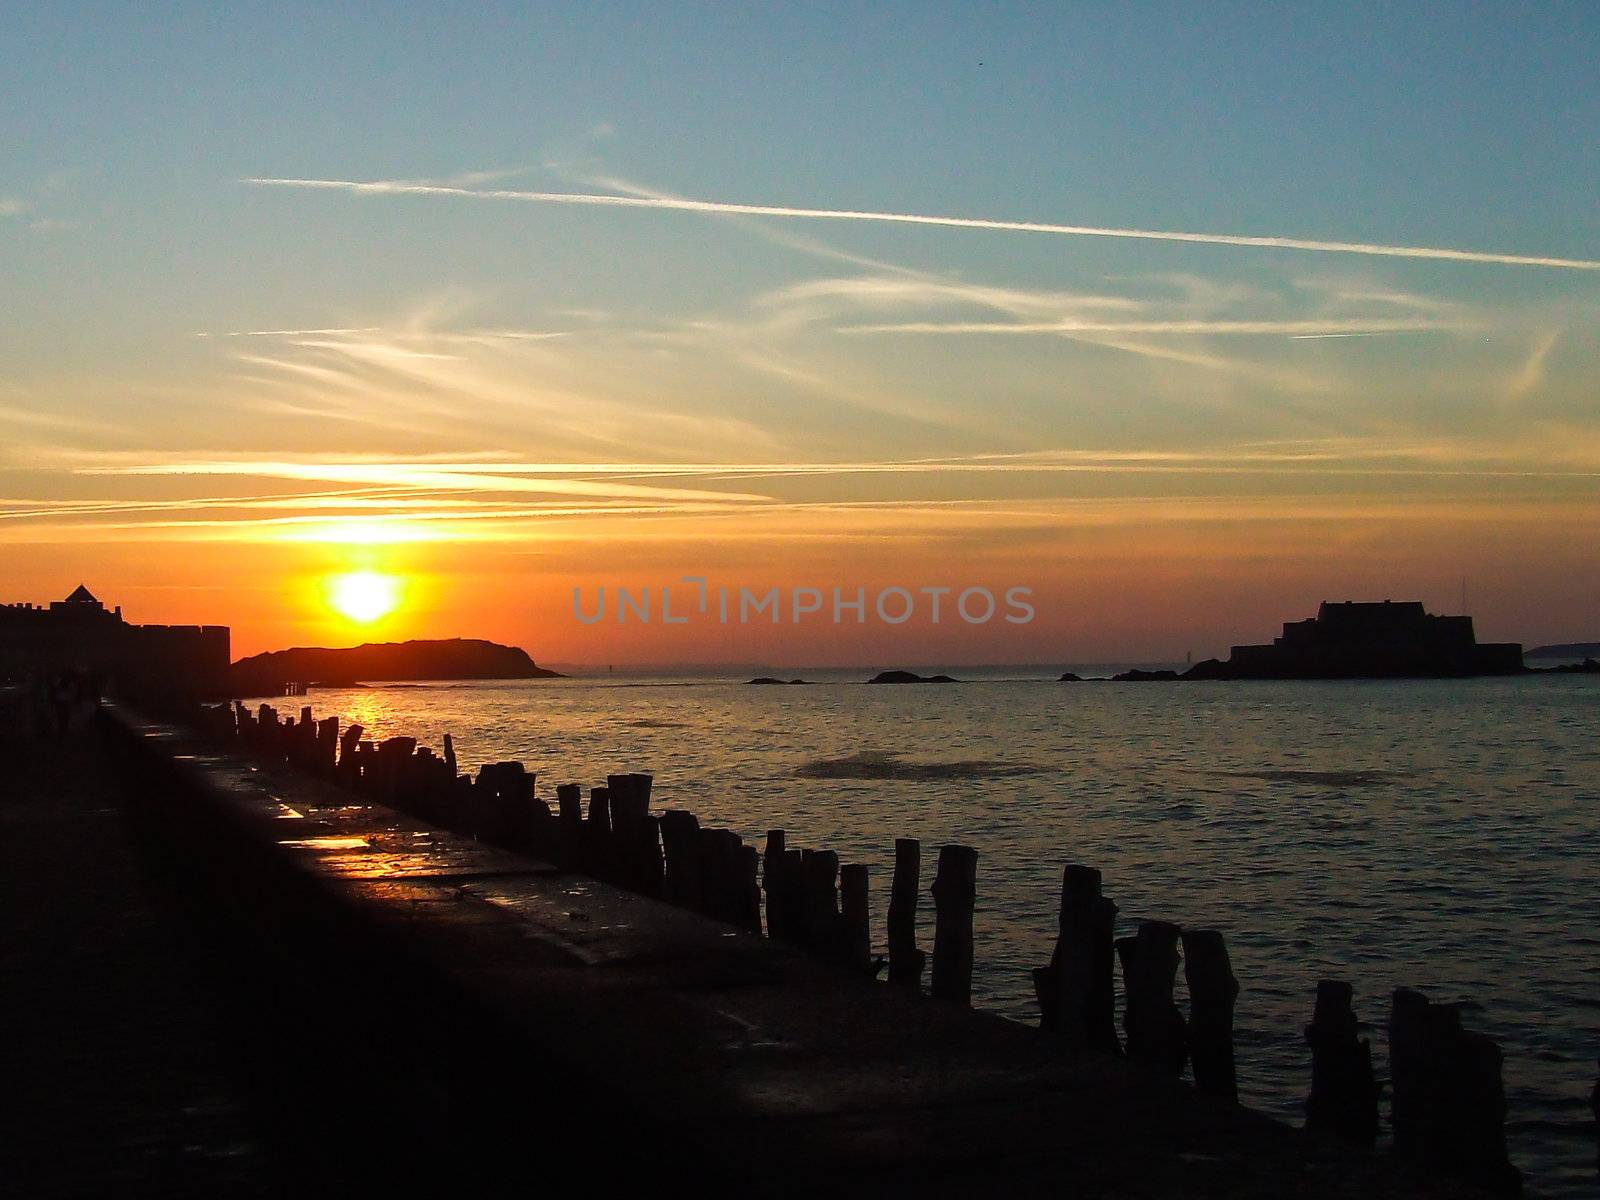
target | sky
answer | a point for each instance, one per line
(1182, 317)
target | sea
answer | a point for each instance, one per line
(1439, 835)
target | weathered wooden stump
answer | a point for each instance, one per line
(596, 848)
(1594, 1109)
(390, 762)
(630, 794)
(771, 870)
(327, 746)
(1344, 1092)
(747, 889)
(722, 853)
(684, 882)
(905, 960)
(781, 876)
(955, 894)
(1449, 1106)
(856, 923)
(348, 768)
(819, 899)
(569, 808)
(1212, 992)
(504, 810)
(1406, 1069)
(1155, 1029)
(635, 834)
(1077, 991)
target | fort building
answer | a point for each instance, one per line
(80, 634)
(1388, 639)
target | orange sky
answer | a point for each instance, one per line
(1127, 580)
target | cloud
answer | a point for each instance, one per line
(1530, 375)
(480, 497)
(488, 477)
(465, 335)
(403, 187)
(275, 333)
(908, 290)
(10, 206)
(1294, 328)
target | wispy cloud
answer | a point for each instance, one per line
(481, 497)
(277, 333)
(1295, 328)
(1276, 242)
(465, 335)
(492, 477)
(1530, 376)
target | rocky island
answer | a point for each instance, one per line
(908, 677)
(446, 658)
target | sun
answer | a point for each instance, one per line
(364, 596)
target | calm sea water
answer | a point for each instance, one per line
(1440, 835)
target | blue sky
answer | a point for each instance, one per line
(147, 285)
(1457, 125)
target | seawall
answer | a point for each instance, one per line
(632, 1039)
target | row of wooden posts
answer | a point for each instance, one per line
(1448, 1103)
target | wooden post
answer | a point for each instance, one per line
(856, 926)
(747, 892)
(1344, 1093)
(1455, 1108)
(1152, 1022)
(630, 795)
(349, 769)
(785, 912)
(1480, 1116)
(729, 871)
(771, 869)
(1077, 992)
(684, 881)
(635, 835)
(774, 847)
(506, 809)
(597, 849)
(1406, 1068)
(955, 893)
(819, 899)
(905, 960)
(1594, 1108)
(328, 746)
(1212, 992)
(717, 852)
(569, 802)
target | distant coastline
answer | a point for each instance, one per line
(1565, 650)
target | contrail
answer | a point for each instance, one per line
(400, 188)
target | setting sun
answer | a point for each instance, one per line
(364, 596)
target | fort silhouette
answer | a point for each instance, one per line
(1352, 640)
(137, 661)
